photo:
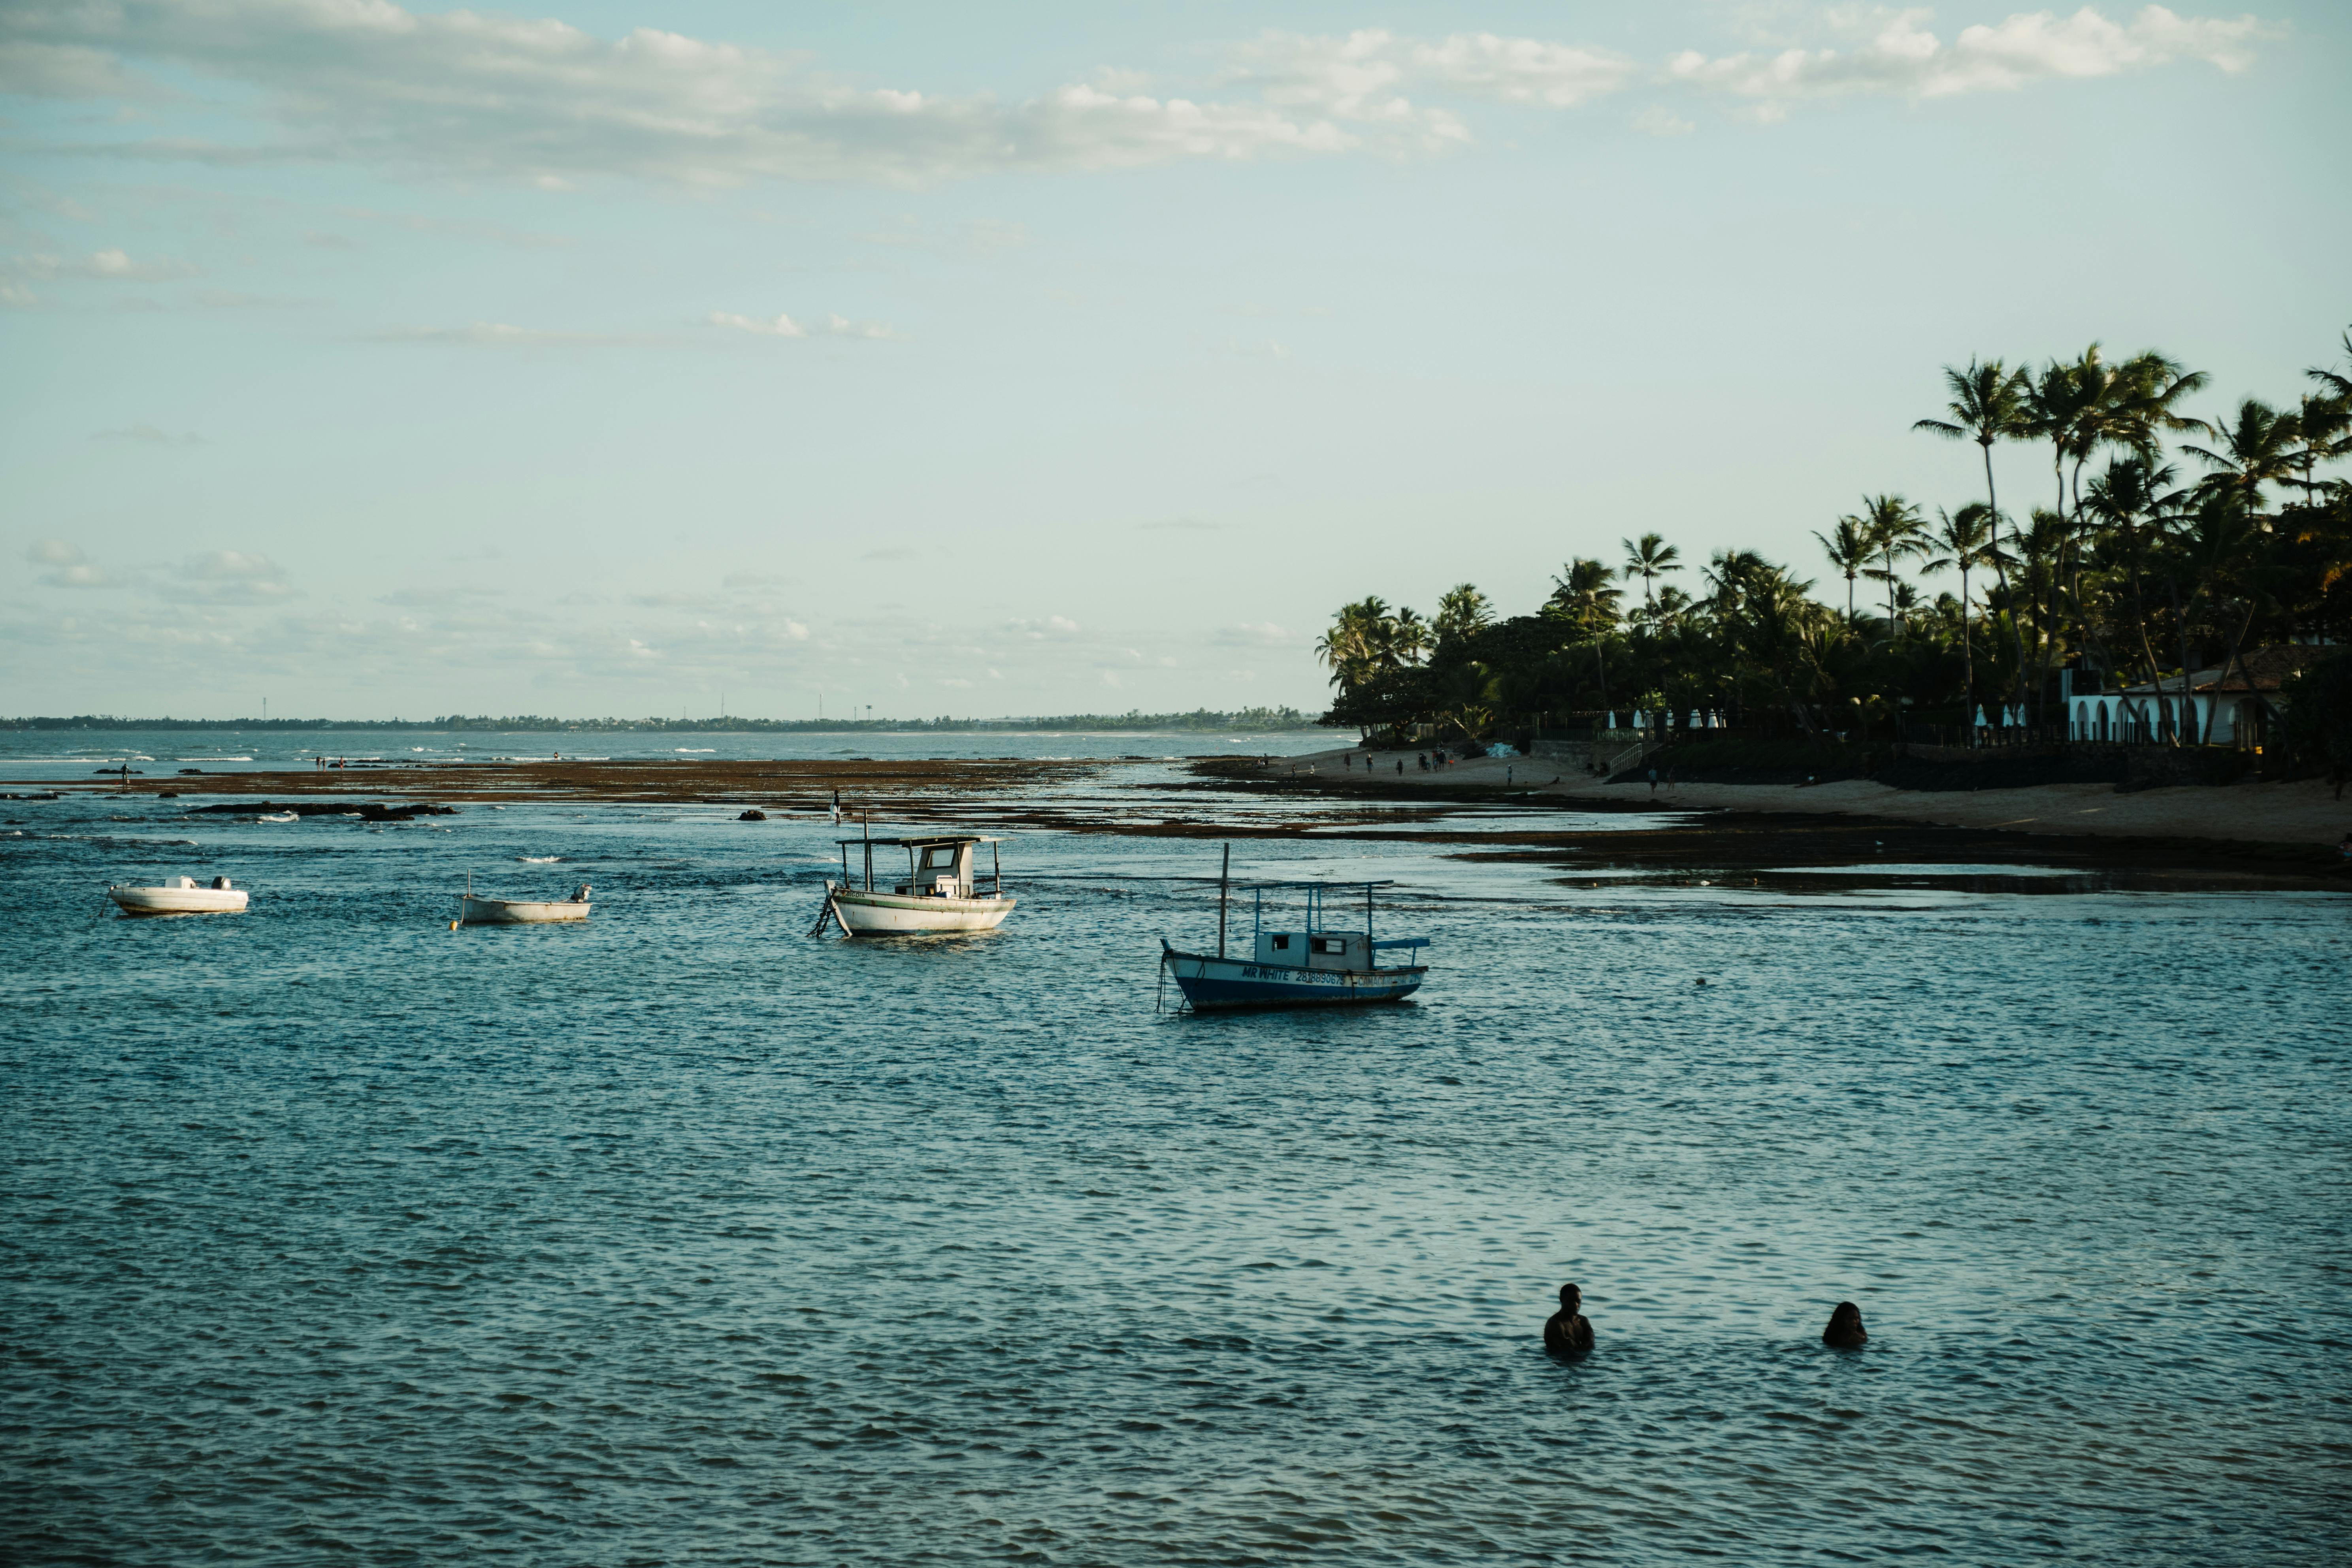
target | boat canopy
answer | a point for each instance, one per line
(926, 843)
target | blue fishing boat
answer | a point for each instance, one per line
(1312, 966)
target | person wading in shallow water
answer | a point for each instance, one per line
(1845, 1330)
(1566, 1331)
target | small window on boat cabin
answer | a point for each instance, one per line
(1331, 944)
(938, 857)
(1282, 942)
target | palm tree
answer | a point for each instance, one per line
(2133, 493)
(1649, 559)
(2256, 449)
(1849, 550)
(2338, 384)
(1584, 598)
(1988, 405)
(1893, 529)
(1462, 612)
(1352, 646)
(1966, 537)
(1406, 640)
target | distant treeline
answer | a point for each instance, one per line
(1253, 720)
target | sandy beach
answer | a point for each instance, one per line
(2304, 812)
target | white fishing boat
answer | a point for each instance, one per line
(942, 891)
(179, 896)
(1311, 965)
(477, 910)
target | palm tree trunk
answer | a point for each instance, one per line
(2001, 571)
(1967, 663)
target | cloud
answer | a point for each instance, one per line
(1656, 121)
(432, 598)
(784, 326)
(231, 577)
(1903, 57)
(101, 266)
(540, 101)
(1256, 634)
(1362, 78)
(73, 568)
(1052, 626)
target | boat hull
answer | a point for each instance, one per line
(1211, 983)
(177, 900)
(902, 914)
(478, 911)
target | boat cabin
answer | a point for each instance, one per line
(1316, 950)
(940, 867)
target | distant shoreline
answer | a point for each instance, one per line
(1255, 721)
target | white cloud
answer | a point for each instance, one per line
(542, 101)
(102, 266)
(2028, 46)
(230, 577)
(73, 568)
(784, 326)
(1658, 120)
(1362, 79)
(1052, 626)
(1256, 634)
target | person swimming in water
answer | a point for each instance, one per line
(1845, 1330)
(1566, 1331)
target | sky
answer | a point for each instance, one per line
(393, 360)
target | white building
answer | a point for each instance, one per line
(2209, 708)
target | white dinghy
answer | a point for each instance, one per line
(941, 893)
(475, 910)
(179, 896)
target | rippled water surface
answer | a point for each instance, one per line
(332, 1235)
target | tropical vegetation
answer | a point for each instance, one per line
(2168, 540)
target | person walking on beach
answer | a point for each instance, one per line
(1654, 783)
(1566, 1331)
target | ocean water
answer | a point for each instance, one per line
(152, 754)
(334, 1236)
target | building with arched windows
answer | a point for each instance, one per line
(2232, 704)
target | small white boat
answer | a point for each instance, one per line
(474, 910)
(941, 892)
(179, 896)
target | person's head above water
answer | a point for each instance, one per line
(1569, 1298)
(1845, 1326)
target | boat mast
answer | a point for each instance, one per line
(1225, 879)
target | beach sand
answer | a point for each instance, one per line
(2304, 812)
